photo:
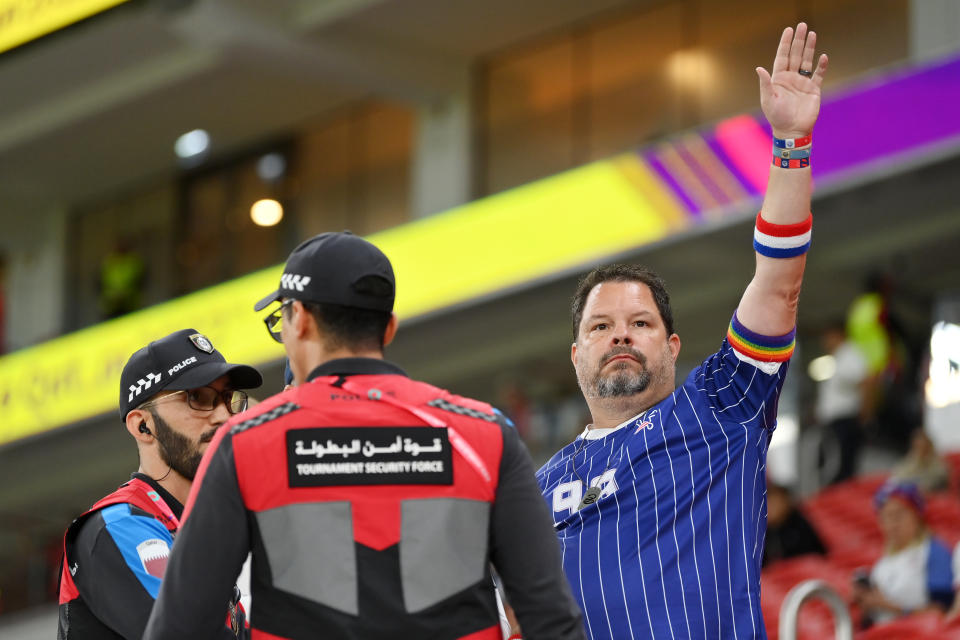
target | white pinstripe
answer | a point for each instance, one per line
(726, 520)
(693, 501)
(656, 538)
(586, 613)
(716, 585)
(623, 591)
(743, 526)
(676, 543)
(603, 596)
(643, 581)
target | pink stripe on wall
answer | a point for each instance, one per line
(748, 146)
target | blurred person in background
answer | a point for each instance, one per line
(374, 505)
(659, 503)
(174, 394)
(845, 401)
(122, 276)
(882, 338)
(915, 572)
(789, 533)
(922, 465)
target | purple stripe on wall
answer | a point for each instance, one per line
(654, 162)
(914, 109)
(702, 174)
(715, 146)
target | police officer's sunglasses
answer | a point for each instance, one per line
(207, 399)
(274, 321)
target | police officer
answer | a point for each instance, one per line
(373, 504)
(174, 394)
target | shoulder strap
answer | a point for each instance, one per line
(135, 492)
(141, 495)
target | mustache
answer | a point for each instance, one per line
(624, 350)
(208, 436)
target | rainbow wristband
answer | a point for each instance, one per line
(762, 348)
(783, 163)
(791, 154)
(792, 143)
(782, 240)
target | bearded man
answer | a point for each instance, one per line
(174, 395)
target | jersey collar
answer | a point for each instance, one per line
(356, 367)
(597, 434)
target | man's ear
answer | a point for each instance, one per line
(391, 331)
(300, 319)
(573, 354)
(136, 418)
(673, 342)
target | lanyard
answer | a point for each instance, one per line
(459, 442)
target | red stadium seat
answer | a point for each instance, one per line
(845, 518)
(924, 625)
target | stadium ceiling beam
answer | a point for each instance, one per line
(111, 89)
(395, 70)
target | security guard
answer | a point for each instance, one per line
(174, 394)
(373, 504)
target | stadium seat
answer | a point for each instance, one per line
(924, 625)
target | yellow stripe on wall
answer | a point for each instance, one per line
(24, 20)
(575, 218)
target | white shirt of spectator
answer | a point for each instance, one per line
(902, 579)
(839, 396)
(956, 567)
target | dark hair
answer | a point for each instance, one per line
(351, 327)
(622, 273)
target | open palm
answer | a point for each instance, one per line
(790, 100)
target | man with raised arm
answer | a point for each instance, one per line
(659, 504)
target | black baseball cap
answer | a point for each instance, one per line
(185, 359)
(335, 268)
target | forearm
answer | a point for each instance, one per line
(791, 101)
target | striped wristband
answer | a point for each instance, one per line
(784, 163)
(762, 348)
(782, 240)
(792, 143)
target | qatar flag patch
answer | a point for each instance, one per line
(153, 554)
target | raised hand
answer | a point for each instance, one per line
(790, 98)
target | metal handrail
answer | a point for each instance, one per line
(808, 590)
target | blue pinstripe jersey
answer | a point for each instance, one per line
(673, 546)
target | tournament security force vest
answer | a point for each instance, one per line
(369, 498)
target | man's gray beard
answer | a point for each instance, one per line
(622, 385)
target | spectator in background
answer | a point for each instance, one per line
(845, 399)
(882, 338)
(789, 533)
(915, 572)
(922, 465)
(122, 275)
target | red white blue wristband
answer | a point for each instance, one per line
(783, 163)
(792, 143)
(782, 240)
